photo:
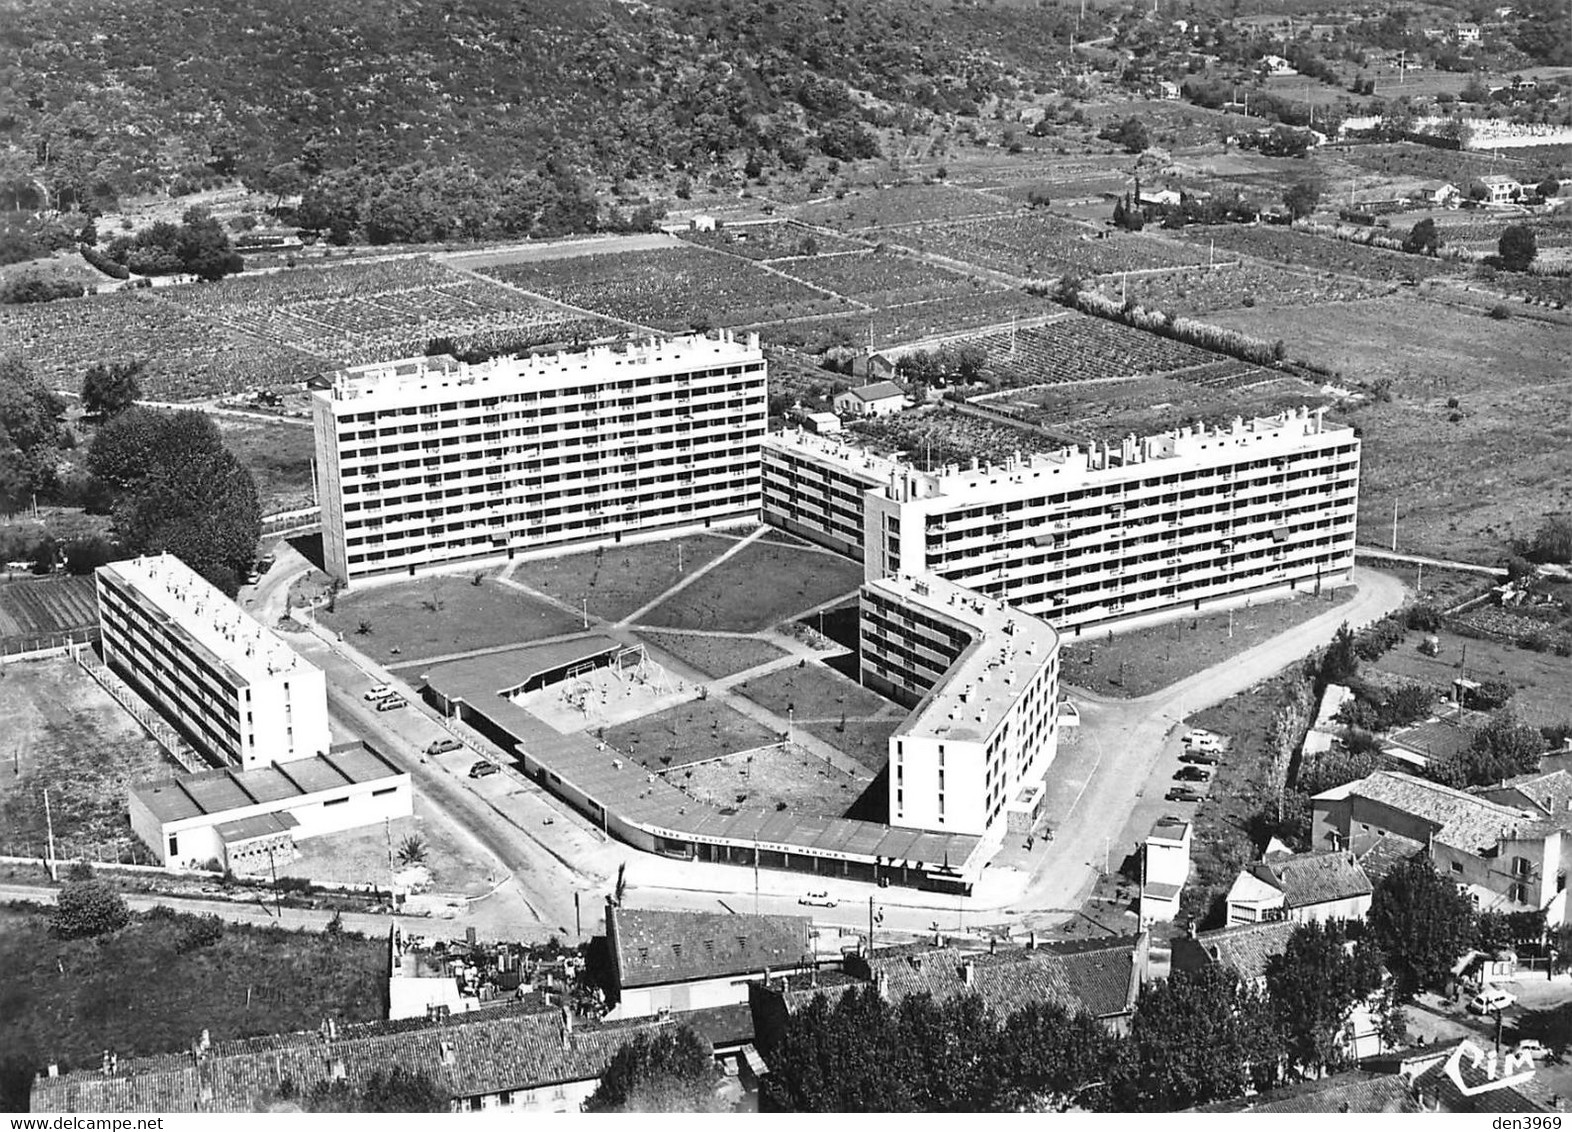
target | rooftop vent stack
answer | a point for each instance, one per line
(1031, 940)
(969, 973)
(976, 464)
(54, 1069)
(881, 984)
(447, 1053)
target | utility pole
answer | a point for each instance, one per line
(278, 899)
(1394, 524)
(584, 605)
(49, 825)
(578, 924)
(870, 927)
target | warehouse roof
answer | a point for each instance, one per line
(219, 791)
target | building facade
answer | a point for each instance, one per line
(233, 687)
(984, 682)
(430, 460)
(1152, 528)
(814, 487)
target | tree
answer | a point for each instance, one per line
(110, 389)
(1340, 662)
(1199, 1037)
(1553, 541)
(31, 434)
(1422, 923)
(1503, 748)
(1301, 199)
(670, 1071)
(1517, 247)
(1048, 1056)
(1129, 133)
(86, 909)
(1423, 239)
(1314, 985)
(393, 1090)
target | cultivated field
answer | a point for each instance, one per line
(1543, 680)
(932, 437)
(427, 617)
(670, 288)
(1322, 253)
(909, 323)
(883, 278)
(40, 607)
(1080, 348)
(777, 240)
(616, 580)
(688, 733)
(64, 734)
(1466, 477)
(1137, 662)
(903, 204)
(761, 585)
(1038, 245)
(1242, 283)
(714, 656)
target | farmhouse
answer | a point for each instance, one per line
(1441, 193)
(1500, 189)
(521, 1059)
(1506, 846)
(431, 460)
(231, 686)
(877, 400)
(248, 821)
(1276, 66)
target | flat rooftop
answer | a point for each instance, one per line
(855, 460)
(1187, 447)
(639, 797)
(398, 380)
(198, 612)
(221, 791)
(1008, 649)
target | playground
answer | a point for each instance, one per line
(596, 696)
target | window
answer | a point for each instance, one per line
(174, 844)
(1457, 866)
(335, 802)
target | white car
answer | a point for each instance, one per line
(1488, 1002)
(1202, 741)
(379, 692)
(1532, 1047)
(817, 900)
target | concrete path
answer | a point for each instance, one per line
(684, 583)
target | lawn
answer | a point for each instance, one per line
(617, 580)
(1543, 680)
(64, 734)
(715, 656)
(815, 691)
(784, 778)
(866, 740)
(688, 733)
(138, 992)
(1141, 661)
(440, 615)
(278, 456)
(1466, 477)
(763, 584)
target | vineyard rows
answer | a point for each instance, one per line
(671, 288)
(1231, 286)
(773, 241)
(45, 606)
(1043, 245)
(882, 278)
(1081, 349)
(1302, 250)
(909, 323)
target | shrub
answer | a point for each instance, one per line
(200, 932)
(35, 287)
(1500, 313)
(103, 263)
(87, 909)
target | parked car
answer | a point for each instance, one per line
(443, 746)
(392, 703)
(1202, 741)
(1192, 774)
(1183, 794)
(1200, 758)
(483, 768)
(379, 692)
(1532, 1047)
(1488, 1002)
(817, 900)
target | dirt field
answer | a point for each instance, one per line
(1463, 486)
(620, 579)
(780, 778)
(278, 455)
(64, 734)
(360, 856)
(763, 584)
(688, 733)
(1543, 680)
(435, 616)
(714, 656)
(1141, 661)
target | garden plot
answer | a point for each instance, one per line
(1542, 679)
(670, 288)
(44, 606)
(1080, 348)
(932, 437)
(1199, 290)
(277, 455)
(913, 322)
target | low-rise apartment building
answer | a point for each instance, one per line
(984, 682)
(1152, 527)
(233, 687)
(430, 460)
(1507, 846)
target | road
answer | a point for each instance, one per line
(234, 911)
(1376, 554)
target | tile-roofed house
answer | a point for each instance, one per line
(1386, 853)
(681, 961)
(1501, 844)
(1104, 975)
(507, 1058)
(1324, 885)
(876, 400)
(1466, 1077)
(1246, 949)
(1353, 1091)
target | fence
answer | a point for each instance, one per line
(48, 644)
(125, 853)
(163, 734)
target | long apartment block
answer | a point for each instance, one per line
(233, 687)
(431, 460)
(1147, 528)
(983, 682)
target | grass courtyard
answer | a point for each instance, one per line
(715, 657)
(688, 733)
(436, 616)
(617, 580)
(763, 584)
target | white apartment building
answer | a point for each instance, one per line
(431, 460)
(1151, 527)
(233, 687)
(984, 678)
(814, 487)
